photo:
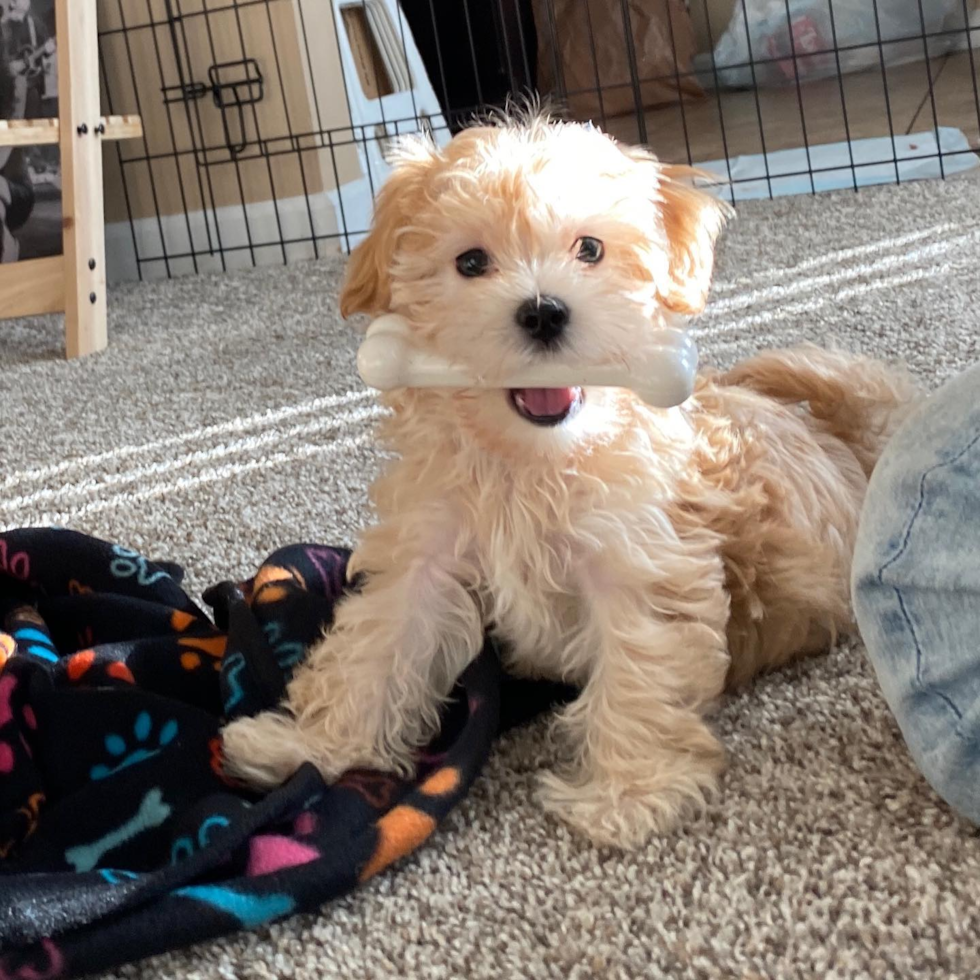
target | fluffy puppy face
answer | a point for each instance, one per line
(534, 240)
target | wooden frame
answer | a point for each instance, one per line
(73, 282)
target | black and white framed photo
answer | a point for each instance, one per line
(30, 176)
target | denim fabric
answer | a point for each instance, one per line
(916, 587)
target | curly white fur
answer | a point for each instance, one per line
(650, 556)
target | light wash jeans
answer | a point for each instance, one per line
(916, 587)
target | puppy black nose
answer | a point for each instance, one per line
(544, 319)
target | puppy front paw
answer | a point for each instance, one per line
(623, 816)
(264, 751)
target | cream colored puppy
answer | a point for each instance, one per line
(650, 556)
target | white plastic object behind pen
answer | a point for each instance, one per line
(663, 378)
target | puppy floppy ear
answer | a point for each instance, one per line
(692, 222)
(367, 282)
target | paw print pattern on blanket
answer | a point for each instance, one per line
(197, 650)
(141, 749)
(79, 665)
(200, 650)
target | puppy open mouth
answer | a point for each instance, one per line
(546, 406)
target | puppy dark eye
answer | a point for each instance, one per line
(589, 250)
(473, 263)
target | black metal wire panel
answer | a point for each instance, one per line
(266, 120)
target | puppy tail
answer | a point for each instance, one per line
(860, 400)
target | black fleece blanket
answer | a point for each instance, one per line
(120, 834)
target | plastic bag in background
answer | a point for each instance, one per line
(584, 39)
(776, 29)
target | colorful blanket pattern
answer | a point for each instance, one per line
(120, 834)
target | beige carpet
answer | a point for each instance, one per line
(226, 420)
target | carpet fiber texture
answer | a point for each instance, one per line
(226, 419)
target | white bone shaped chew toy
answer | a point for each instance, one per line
(389, 359)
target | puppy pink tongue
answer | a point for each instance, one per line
(546, 401)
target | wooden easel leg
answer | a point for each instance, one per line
(83, 219)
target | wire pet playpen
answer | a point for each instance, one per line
(266, 121)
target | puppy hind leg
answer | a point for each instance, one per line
(861, 400)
